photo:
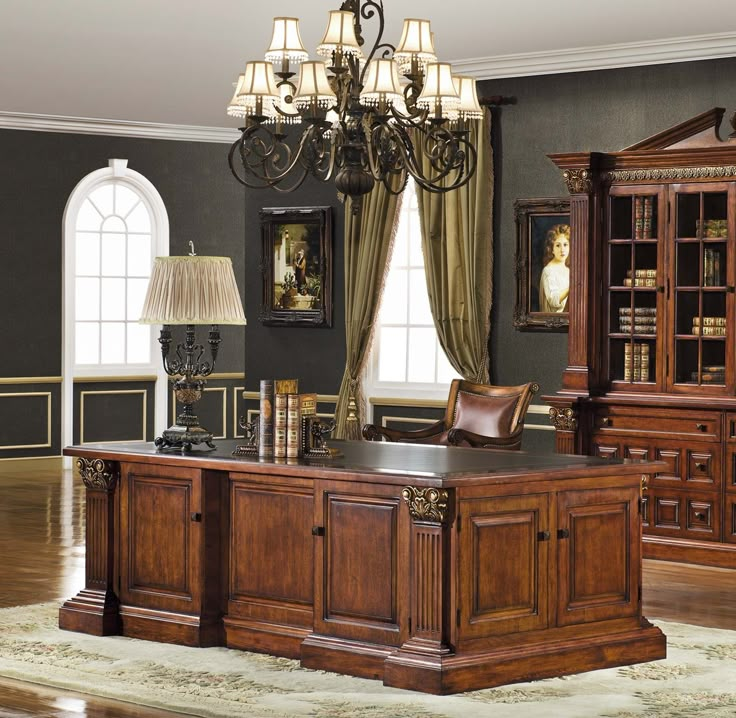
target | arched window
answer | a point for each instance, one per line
(115, 223)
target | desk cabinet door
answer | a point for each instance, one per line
(361, 557)
(599, 553)
(161, 538)
(504, 547)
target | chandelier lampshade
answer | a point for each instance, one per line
(353, 119)
(469, 108)
(340, 35)
(439, 94)
(382, 84)
(234, 108)
(286, 42)
(416, 44)
(258, 93)
(314, 87)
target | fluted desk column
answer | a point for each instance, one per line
(95, 609)
(418, 663)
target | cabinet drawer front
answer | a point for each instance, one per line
(701, 426)
(729, 528)
(691, 465)
(730, 469)
(683, 514)
(731, 427)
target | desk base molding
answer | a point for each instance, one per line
(91, 611)
(274, 639)
(354, 658)
(169, 627)
(443, 675)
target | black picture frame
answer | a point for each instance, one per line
(535, 218)
(297, 288)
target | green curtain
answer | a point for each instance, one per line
(368, 240)
(457, 233)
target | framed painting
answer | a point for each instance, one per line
(297, 266)
(542, 264)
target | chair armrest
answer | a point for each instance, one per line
(458, 437)
(371, 432)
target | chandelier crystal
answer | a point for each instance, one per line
(359, 117)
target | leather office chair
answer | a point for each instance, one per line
(478, 415)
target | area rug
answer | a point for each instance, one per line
(697, 679)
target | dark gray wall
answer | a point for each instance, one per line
(604, 110)
(598, 111)
(314, 355)
(39, 172)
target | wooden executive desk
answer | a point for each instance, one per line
(435, 569)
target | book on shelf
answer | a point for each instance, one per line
(638, 311)
(640, 282)
(637, 319)
(286, 386)
(265, 418)
(709, 377)
(636, 361)
(647, 218)
(298, 407)
(709, 331)
(711, 228)
(711, 267)
(637, 328)
(280, 407)
(709, 321)
(642, 273)
(638, 217)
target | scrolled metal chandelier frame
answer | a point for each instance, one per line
(361, 124)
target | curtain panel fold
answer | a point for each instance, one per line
(457, 241)
(369, 238)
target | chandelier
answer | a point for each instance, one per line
(354, 121)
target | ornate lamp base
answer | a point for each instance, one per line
(183, 438)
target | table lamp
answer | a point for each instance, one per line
(190, 290)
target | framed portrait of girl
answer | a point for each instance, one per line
(542, 264)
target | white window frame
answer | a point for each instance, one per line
(118, 171)
(374, 388)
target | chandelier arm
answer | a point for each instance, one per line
(369, 9)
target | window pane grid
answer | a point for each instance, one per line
(112, 268)
(407, 349)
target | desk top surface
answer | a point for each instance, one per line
(378, 462)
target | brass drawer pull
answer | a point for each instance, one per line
(605, 421)
(542, 535)
(700, 466)
(700, 516)
(701, 427)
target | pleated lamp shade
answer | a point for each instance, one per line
(192, 290)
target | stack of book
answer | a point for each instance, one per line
(644, 320)
(715, 374)
(643, 207)
(711, 267)
(636, 361)
(712, 228)
(280, 430)
(641, 278)
(709, 326)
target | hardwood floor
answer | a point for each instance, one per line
(42, 559)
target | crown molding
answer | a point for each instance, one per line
(116, 128)
(579, 59)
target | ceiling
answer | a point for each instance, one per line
(174, 61)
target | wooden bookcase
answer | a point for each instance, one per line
(651, 348)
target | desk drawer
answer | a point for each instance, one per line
(681, 514)
(691, 465)
(653, 423)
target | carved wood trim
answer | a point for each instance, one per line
(578, 181)
(563, 419)
(98, 473)
(427, 505)
(671, 173)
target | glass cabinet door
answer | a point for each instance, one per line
(635, 234)
(701, 285)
